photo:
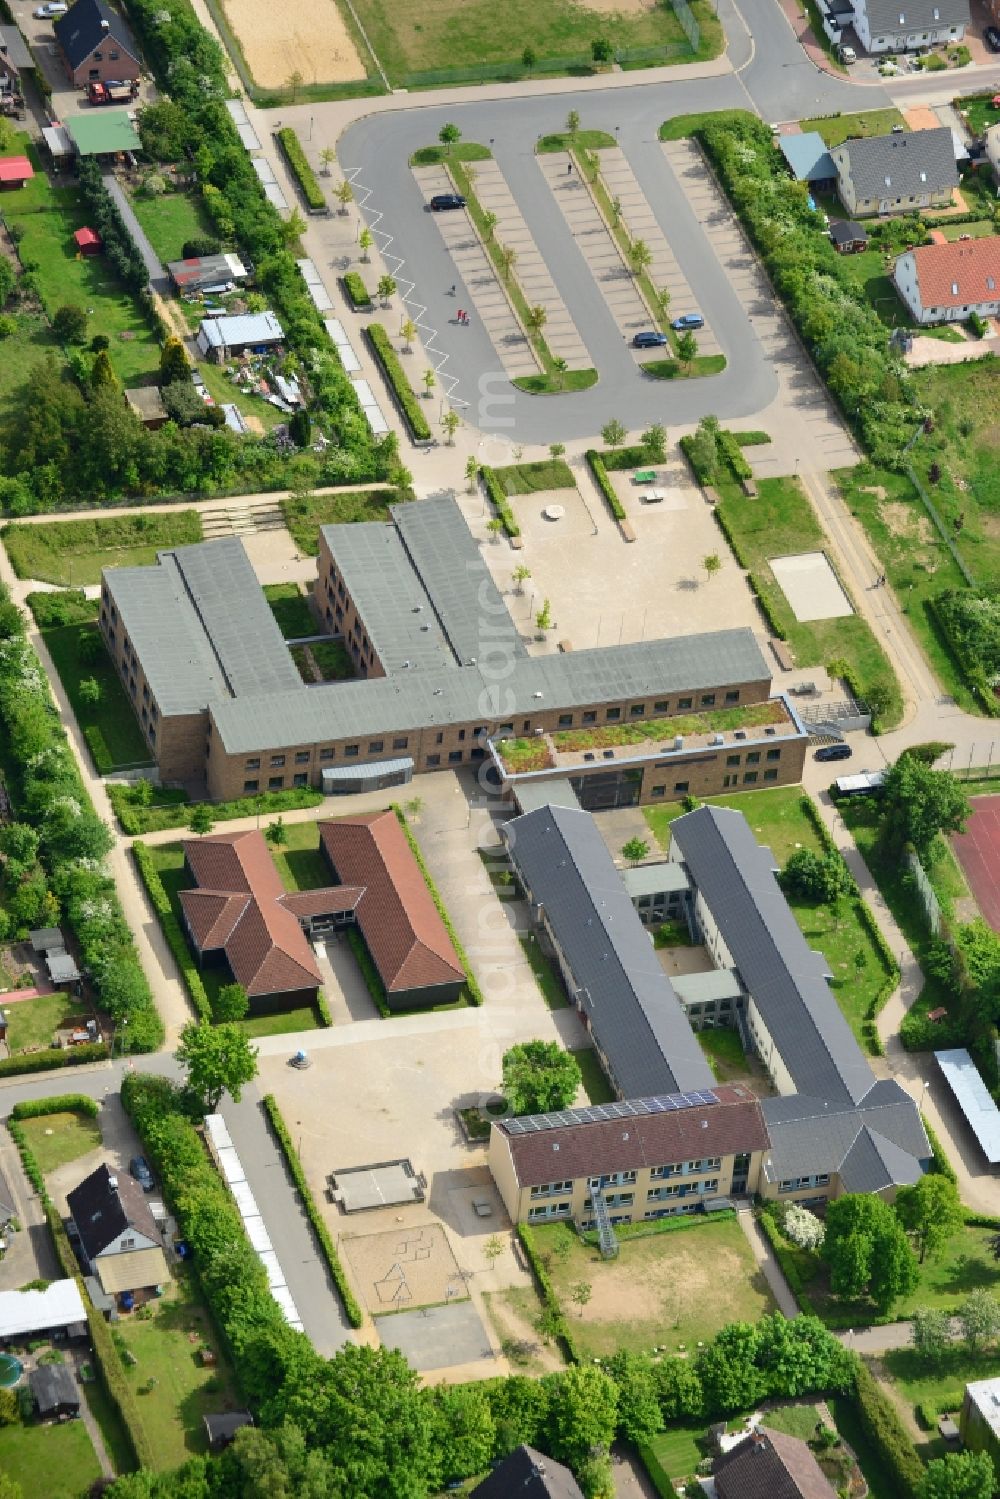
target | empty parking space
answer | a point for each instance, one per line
(532, 273)
(641, 223)
(487, 298)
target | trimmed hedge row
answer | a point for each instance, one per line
(176, 940)
(52, 1058)
(399, 384)
(941, 1164)
(354, 1313)
(369, 972)
(473, 992)
(729, 447)
(59, 1103)
(497, 497)
(356, 291)
(595, 462)
(882, 1425)
(760, 593)
(323, 1008)
(789, 1268)
(547, 1292)
(300, 168)
(136, 820)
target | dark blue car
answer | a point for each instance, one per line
(649, 340)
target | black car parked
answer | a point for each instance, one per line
(834, 752)
(442, 201)
(991, 36)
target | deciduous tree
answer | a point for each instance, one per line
(867, 1250)
(583, 1412)
(930, 1211)
(217, 1059)
(613, 433)
(200, 819)
(539, 1077)
(231, 1002)
(930, 1332)
(979, 1319)
(635, 850)
(449, 135)
(959, 1475)
(918, 802)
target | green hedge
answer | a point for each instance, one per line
(974, 674)
(354, 1313)
(301, 170)
(369, 972)
(473, 993)
(497, 496)
(59, 1103)
(789, 1268)
(941, 1164)
(595, 462)
(406, 396)
(176, 940)
(356, 291)
(729, 447)
(102, 757)
(323, 1008)
(752, 439)
(136, 820)
(547, 1292)
(885, 1430)
(52, 1058)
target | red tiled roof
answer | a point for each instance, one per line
(15, 169)
(730, 1127)
(406, 937)
(86, 237)
(959, 274)
(240, 905)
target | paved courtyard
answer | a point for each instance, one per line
(438, 1337)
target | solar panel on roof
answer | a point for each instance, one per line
(601, 1113)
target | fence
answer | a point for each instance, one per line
(929, 901)
(685, 15)
(932, 509)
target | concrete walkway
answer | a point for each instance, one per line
(78, 1359)
(766, 1259)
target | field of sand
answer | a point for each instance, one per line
(298, 36)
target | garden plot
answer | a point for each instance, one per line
(811, 586)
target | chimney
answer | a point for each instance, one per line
(105, 25)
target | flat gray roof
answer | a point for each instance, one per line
(706, 988)
(554, 792)
(471, 694)
(201, 626)
(634, 1013)
(389, 596)
(662, 878)
(785, 977)
(973, 1098)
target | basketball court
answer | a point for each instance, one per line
(404, 1268)
(978, 852)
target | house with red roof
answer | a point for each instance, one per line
(944, 283)
(15, 171)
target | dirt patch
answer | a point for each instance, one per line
(619, 7)
(685, 1277)
(404, 1268)
(510, 1313)
(904, 520)
(296, 37)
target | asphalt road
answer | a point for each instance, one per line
(775, 78)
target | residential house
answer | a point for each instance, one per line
(896, 174)
(528, 1474)
(639, 1160)
(402, 929)
(15, 171)
(979, 1423)
(201, 273)
(906, 25)
(15, 59)
(119, 1239)
(770, 1465)
(57, 1395)
(834, 1127)
(57, 1312)
(848, 238)
(225, 338)
(809, 159)
(96, 45)
(945, 283)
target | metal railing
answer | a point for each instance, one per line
(606, 1240)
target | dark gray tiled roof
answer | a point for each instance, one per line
(881, 1142)
(784, 976)
(634, 1012)
(892, 16)
(909, 164)
(528, 1474)
(88, 24)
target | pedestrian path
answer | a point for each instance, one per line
(532, 273)
(480, 280)
(768, 1262)
(640, 221)
(596, 242)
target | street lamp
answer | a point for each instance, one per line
(924, 1085)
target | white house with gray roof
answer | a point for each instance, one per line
(899, 173)
(906, 25)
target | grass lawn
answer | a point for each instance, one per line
(675, 1453)
(410, 37)
(431, 156)
(116, 1441)
(63, 1453)
(58, 1138)
(48, 217)
(305, 515)
(980, 113)
(281, 1024)
(73, 552)
(185, 1391)
(778, 821)
(290, 608)
(868, 271)
(978, 230)
(724, 1052)
(937, 1382)
(110, 725)
(780, 522)
(795, 1420)
(300, 863)
(917, 563)
(672, 1288)
(32, 1022)
(586, 140)
(881, 1484)
(333, 659)
(835, 129)
(595, 1084)
(531, 478)
(169, 219)
(964, 443)
(546, 976)
(24, 350)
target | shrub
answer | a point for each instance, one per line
(802, 1227)
(53, 1058)
(978, 325)
(497, 496)
(60, 1103)
(301, 170)
(597, 467)
(203, 244)
(556, 1318)
(354, 1313)
(357, 292)
(885, 1430)
(406, 396)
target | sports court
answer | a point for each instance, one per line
(404, 1268)
(978, 852)
(439, 1337)
(811, 586)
